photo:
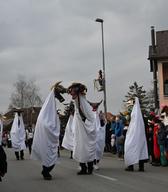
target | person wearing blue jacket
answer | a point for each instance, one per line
(118, 128)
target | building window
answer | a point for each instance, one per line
(166, 87)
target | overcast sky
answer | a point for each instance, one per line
(52, 40)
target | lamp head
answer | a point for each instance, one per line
(99, 20)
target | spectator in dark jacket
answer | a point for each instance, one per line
(162, 136)
(118, 133)
(3, 162)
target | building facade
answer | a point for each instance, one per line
(158, 56)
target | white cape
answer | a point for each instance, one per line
(135, 143)
(46, 136)
(100, 137)
(84, 133)
(18, 134)
(1, 131)
(68, 140)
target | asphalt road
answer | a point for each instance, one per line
(25, 175)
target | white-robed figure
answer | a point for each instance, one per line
(135, 143)
(46, 135)
(68, 139)
(1, 130)
(100, 133)
(18, 135)
(84, 129)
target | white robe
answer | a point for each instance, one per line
(100, 137)
(46, 136)
(135, 143)
(1, 131)
(84, 133)
(18, 133)
(68, 140)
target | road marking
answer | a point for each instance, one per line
(105, 177)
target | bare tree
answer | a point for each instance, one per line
(26, 94)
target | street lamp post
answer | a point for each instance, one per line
(103, 57)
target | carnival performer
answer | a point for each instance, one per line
(84, 129)
(18, 135)
(135, 144)
(47, 131)
(68, 139)
(100, 133)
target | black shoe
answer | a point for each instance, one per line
(46, 176)
(141, 169)
(129, 169)
(90, 171)
(0, 179)
(82, 172)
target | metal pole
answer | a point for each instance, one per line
(154, 66)
(103, 57)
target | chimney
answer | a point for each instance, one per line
(153, 41)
